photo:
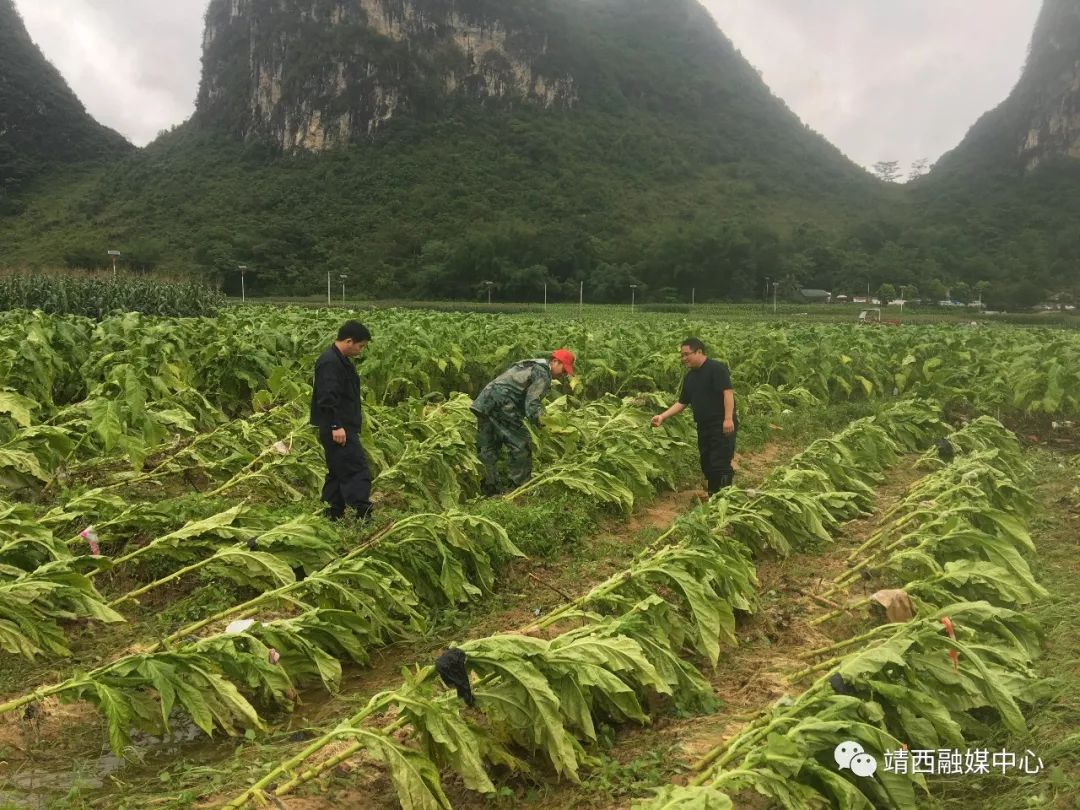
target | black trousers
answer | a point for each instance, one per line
(716, 451)
(348, 477)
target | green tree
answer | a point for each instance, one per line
(854, 275)
(888, 171)
(935, 290)
(918, 168)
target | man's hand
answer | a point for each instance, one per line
(338, 436)
(657, 420)
(729, 427)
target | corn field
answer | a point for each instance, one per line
(98, 295)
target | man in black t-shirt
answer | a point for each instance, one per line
(707, 390)
(336, 412)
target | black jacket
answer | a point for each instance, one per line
(335, 398)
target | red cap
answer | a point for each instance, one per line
(566, 357)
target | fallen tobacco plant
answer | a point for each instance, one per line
(676, 601)
(605, 452)
(249, 547)
(367, 600)
(919, 685)
(925, 684)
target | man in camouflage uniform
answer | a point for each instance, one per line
(501, 409)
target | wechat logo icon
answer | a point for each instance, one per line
(851, 755)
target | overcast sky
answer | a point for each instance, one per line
(881, 79)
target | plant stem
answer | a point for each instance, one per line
(175, 575)
(37, 694)
(838, 612)
(602, 589)
(374, 706)
(802, 673)
(724, 753)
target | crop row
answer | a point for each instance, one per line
(640, 631)
(74, 390)
(957, 545)
(339, 611)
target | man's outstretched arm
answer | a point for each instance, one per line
(677, 408)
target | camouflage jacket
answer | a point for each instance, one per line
(519, 390)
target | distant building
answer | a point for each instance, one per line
(816, 296)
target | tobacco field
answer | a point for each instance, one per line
(180, 627)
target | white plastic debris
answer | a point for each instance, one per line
(281, 448)
(239, 626)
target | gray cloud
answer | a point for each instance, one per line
(897, 80)
(881, 79)
(133, 63)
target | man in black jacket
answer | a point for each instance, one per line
(707, 390)
(335, 411)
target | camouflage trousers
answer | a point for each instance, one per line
(494, 431)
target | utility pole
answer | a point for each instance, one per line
(489, 284)
(115, 255)
(633, 294)
(775, 284)
(243, 292)
(581, 299)
(545, 297)
(693, 293)
(765, 299)
(343, 277)
(328, 288)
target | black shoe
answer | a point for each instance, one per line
(358, 518)
(719, 482)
